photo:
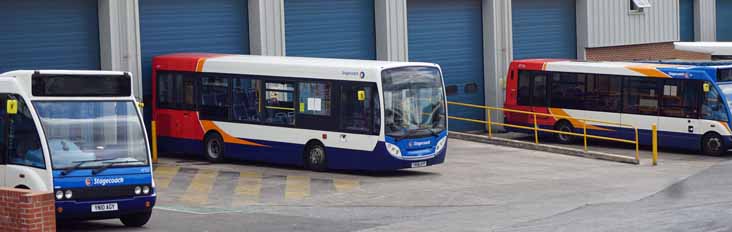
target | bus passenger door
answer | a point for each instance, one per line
(3, 140)
(358, 116)
(26, 163)
(679, 113)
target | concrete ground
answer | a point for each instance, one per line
(480, 188)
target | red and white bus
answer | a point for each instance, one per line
(318, 113)
(686, 104)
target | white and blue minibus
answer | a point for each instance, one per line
(78, 134)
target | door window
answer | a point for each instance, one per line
(713, 107)
(356, 108)
(315, 98)
(3, 120)
(24, 145)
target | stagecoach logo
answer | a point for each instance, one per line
(419, 144)
(103, 181)
(361, 74)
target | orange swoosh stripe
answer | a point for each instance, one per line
(199, 65)
(725, 125)
(648, 71)
(575, 123)
(209, 125)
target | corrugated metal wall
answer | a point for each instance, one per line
(724, 20)
(169, 26)
(686, 20)
(330, 28)
(38, 34)
(610, 23)
(544, 29)
(450, 34)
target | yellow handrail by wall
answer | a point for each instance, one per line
(489, 122)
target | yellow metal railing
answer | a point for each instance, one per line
(489, 122)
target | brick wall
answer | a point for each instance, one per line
(655, 51)
(23, 210)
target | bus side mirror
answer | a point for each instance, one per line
(361, 95)
(12, 106)
(706, 87)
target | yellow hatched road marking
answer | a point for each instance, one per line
(200, 187)
(297, 188)
(164, 175)
(249, 187)
(345, 185)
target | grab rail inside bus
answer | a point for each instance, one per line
(489, 122)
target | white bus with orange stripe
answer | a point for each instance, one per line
(686, 104)
(318, 113)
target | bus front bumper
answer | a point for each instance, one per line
(82, 210)
(379, 160)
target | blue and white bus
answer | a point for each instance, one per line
(78, 134)
(312, 112)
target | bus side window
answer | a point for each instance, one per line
(245, 100)
(214, 101)
(279, 103)
(713, 108)
(24, 145)
(524, 88)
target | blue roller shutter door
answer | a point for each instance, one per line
(450, 33)
(724, 20)
(686, 20)
(39, 34)
(170, 26)
(330, 28)
(544, 29)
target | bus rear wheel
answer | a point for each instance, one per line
(565, 126)
(713, 145)
(214, 147)
(315, 157)
(136, 220)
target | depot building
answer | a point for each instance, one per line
(473, 40)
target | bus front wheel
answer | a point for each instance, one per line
(713, 144)
(315, 157)
(214, 147)
(136, 220)
(566, 127)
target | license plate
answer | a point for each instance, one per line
(104, 207)
(419, 164)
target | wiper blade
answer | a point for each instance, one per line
(110, 164)
(78, 164)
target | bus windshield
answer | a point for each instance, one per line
(414, 102)
(86, 134)
(727, 92)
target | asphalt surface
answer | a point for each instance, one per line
(479, 188)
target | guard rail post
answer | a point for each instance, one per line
(654, 134)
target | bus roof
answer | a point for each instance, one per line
(615, 68)
(712, 48)
(275, 65)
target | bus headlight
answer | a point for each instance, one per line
(440, 144)
(68, 194)
(393, 150)
(138, 190)
(59, 195)
(145, 189)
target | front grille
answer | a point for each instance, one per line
(103, 193)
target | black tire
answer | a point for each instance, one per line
(136, 220)
(565, 126)
(315, 157)
(213, 148)
(713, 144)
